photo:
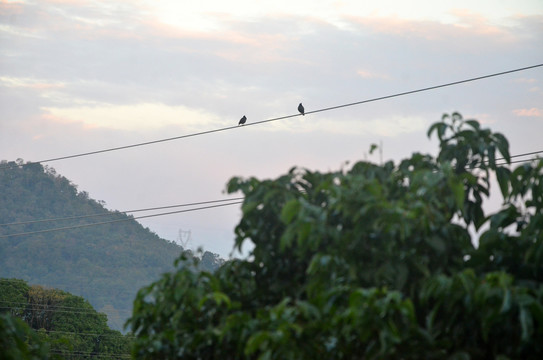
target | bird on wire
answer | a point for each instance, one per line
(301, 109)
(242, 120)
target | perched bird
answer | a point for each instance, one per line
(301, 109)
(242, 120)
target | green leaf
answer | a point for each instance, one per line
(491, 156)
(287, 238)
(458, 191)
(474, 124)
(503, 175)
(290, 210)
(249, 206)
(503, 146)
(526, 323)
(256, 341)
(221, 298)
(507, 300)
(437, 244)
(438, 127)
(218, 297)
(304, 230)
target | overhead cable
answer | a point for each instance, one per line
(115, 221)
(277, 118)
(76, 217)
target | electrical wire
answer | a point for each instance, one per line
(277, 118)
(89, 354)
(89, 312)
(115, 221)
(520, 155)
(118, 212)
(89, 334)
(54, 307)
(113, 213)
(517, 161)
(156, 215)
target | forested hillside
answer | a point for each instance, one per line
(105, 264)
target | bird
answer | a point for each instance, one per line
(242, 120)
(301, 109)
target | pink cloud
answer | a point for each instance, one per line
(484, 118)
(68, 2)
(533, 112)
(43, 86)
(29, 83)
(469, 24)
(11, 7)
(371, 75)
(526, 80)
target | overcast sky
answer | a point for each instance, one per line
(78, 76)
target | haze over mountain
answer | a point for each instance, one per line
(105, 264)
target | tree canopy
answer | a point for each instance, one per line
(372, 262)
(42, 323)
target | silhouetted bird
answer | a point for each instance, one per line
(242, 120)
(301, 109)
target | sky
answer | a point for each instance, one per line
(79, 76)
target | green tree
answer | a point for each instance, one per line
(13, 296)
(19, 342)
(374, 262)
(67, 326)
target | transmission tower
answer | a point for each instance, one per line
(185, 239)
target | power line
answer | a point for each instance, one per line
(90, 312)
(111, 213)
(424, 89)
(512, 157)
(76, 291)
(89, 334)
(115, 221)
(93, 354)
(277, 118)
(37, 306)
(525, 154)
(72, 332)
(160, 214)
(90, 355)
(118, 213)
(184, 205)
(517, 161)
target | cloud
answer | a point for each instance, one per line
(384, 126)
(372, 75)
(532, 112)
(392, 126)
(80, 75)
(139, 117)
(30, 83)
(526, 80)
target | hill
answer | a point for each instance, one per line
(105, 264)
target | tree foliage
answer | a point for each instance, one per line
(41, 323)
(19, 342)
(372, 262)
